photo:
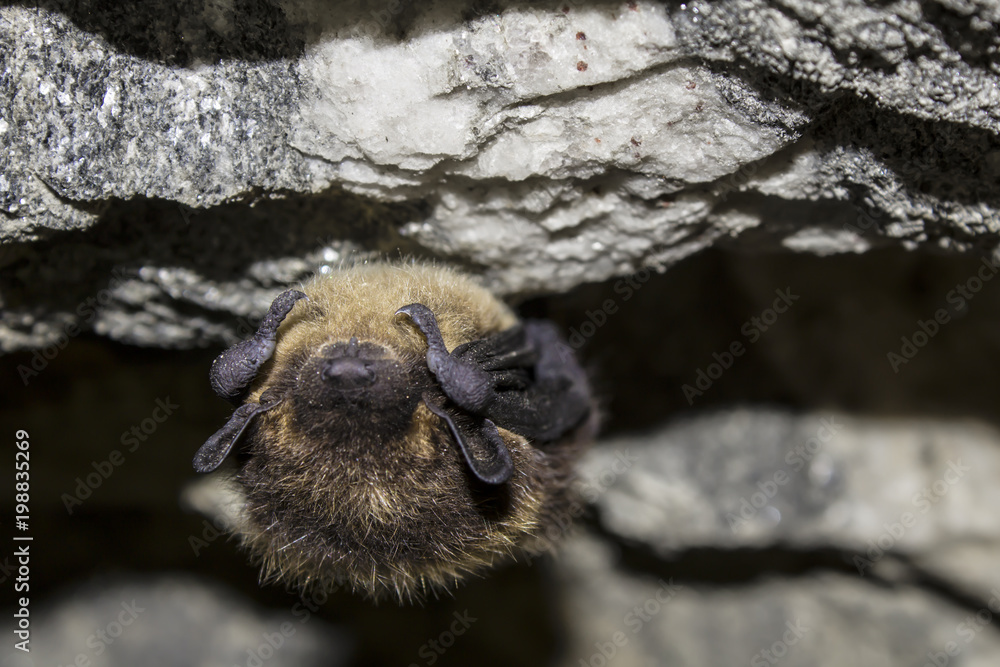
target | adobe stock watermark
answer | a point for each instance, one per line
(87, 311)
(752, 329)
(967, 630)
(957, 299)
(634, 621)
(211, 531)
(271, 642)
(625, 288)
(922, 501)
(131, 440)
(99, 641)
(796, 459)
(245, 328)
(735, 182)
(589, 491)
(378, 20)
(431, 651)
(772, 655)
(6, 569)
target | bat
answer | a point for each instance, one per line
(396, 429)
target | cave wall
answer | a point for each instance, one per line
(770, 227)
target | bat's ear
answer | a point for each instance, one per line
(483, 448)
(234, 370)
(211, 455)
(466, 383)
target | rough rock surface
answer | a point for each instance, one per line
(545, 145)
(818, 620)
(884, 495)
(804, 481)
(737, 522)
(172, 621)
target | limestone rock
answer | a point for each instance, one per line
(172, 621)
(896, 500)
(545, 145)
(645, 618)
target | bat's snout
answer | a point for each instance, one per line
(347, 373)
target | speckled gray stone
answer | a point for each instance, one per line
(543, 146)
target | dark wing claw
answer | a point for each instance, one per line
(234, 370)
(481, 445)
(507, 350)
(526, 379)
(464, 381)
(541, 390)
(507, 356)
(559, 398)
(211, 455)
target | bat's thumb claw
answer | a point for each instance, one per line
(412, 311)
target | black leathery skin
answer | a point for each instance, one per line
(235, 369)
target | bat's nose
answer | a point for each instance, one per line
(348, 372)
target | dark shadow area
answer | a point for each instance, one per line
(828, 351)
(199, 31)
(219, 243)
(187, 32)
(192, 32)
(728, 568)
(734, 567)
(128, 521)
(937, 161)
(979, 46)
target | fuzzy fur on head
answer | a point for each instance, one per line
(374, 493)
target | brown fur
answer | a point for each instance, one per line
(383, 509)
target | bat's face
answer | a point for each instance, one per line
(347, 388)
(408, 431)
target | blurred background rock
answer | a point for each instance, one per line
(652, 176)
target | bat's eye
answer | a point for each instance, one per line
(348, 373)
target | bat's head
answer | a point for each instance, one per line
(393, 442)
